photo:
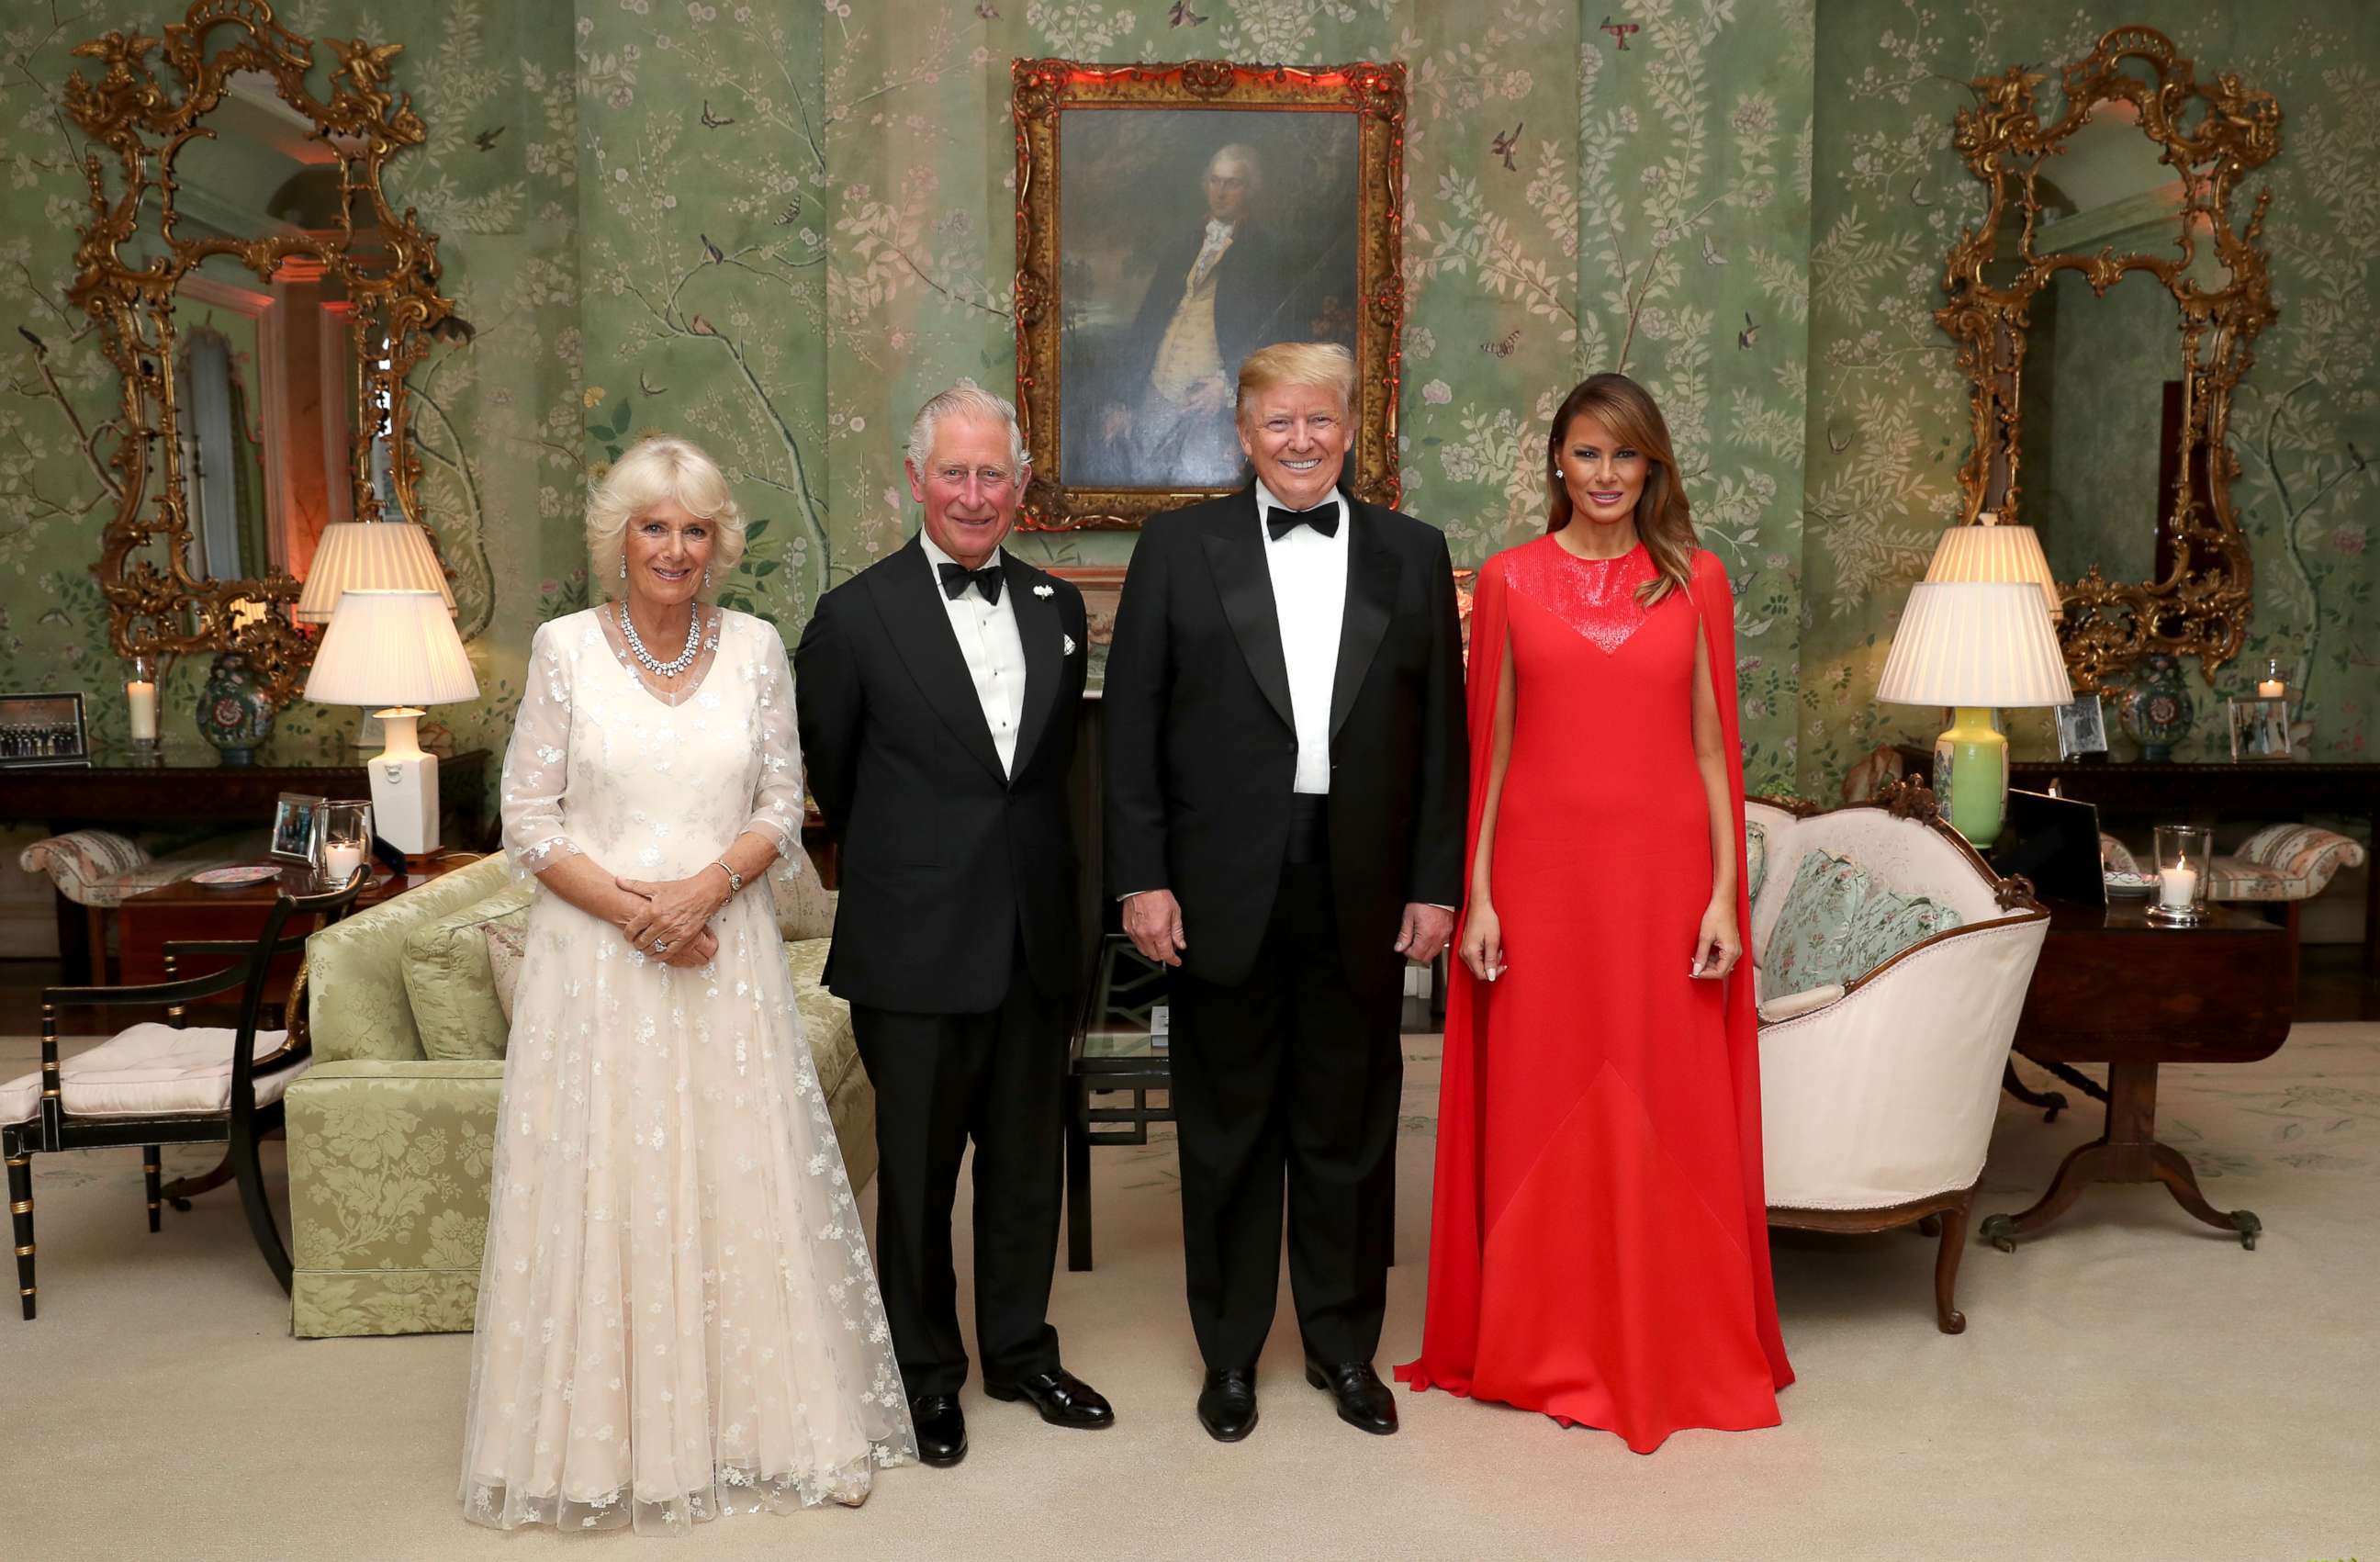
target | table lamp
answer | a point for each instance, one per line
(397, 650)
(389, 555)
(1975, 645)
(1988, 550)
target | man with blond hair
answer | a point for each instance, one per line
(1286, 788)
(937, 693)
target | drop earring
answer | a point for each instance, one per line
(706, 576)
(624, 566)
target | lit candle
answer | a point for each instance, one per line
(142, 695)
(341, 859)
(2271, 689)
(2178, 885)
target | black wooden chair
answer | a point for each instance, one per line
(153, 1085)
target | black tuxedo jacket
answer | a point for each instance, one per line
(1201, 746)
(944, 860)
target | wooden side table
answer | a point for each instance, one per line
(2113, 988)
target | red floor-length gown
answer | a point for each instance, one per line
(1599, 1245)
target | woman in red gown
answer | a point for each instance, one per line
(1599, 1246)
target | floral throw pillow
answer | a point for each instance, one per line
(1888, 922)
(1810, 945)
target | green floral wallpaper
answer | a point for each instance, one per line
(778, 227)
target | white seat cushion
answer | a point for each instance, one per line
(148, 1070)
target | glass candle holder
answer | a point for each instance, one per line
(347, 837)
(2183, 856)
(141, 704)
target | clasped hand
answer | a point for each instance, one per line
(672, 922)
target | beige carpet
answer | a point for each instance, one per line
(2131, 1385)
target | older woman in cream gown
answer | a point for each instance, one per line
(677, 1316)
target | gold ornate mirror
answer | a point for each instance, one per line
(263, 304)
(2105, 309)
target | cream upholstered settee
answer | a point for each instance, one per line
(1892, 963)
(393, 1129)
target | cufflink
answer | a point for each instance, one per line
(1069, 644)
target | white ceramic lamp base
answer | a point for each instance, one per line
(404, 785)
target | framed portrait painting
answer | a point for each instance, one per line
(1170, 220)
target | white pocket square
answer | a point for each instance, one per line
(1045, 591)
(1069, 644)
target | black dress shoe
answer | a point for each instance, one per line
(1227, 1405)
(941, 1429)
(1063, 1398)
(1364, 1400)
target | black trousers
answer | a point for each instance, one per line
(999, 1079)
(1291, 1073)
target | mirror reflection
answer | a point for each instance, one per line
(2102, 424)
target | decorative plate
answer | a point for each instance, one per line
(235, 878)
(2129, 884)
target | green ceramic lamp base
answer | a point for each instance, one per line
(1971, 776)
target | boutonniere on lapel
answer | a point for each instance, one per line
(1045, 590)
(1069, 644)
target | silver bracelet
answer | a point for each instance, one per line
(735, 879)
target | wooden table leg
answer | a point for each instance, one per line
(2051, 1101)
(2126, 1151)
(182, 1190)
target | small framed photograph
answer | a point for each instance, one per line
(298, 825)
(2260, 729)
(2081, 727)
(41, 729)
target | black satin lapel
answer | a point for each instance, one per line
(1372, 572)
(1236, 553)
(921, 633)
(1045, 653)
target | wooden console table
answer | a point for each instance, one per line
(2266, 789)
(2113, 988)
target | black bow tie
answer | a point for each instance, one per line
(1323, 518)
(956, 578)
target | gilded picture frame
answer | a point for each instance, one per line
(1131, 323)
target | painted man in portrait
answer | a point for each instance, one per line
(1219, 292)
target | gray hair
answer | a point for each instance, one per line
(658, 468)
(965, 399)
(1246, 157)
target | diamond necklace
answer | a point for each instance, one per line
(653, 663)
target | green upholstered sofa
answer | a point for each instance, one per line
(392, 1129)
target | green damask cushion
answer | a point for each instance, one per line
(1837, 925)
(389, 1165)
(449, 980)
(355, 1003)
(1755, 857)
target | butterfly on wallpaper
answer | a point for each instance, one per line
(647, 387)
(1185, 16)
(1846, 444)
(486, 139)
(1750, 335)
(1503, 348)
(791, 211)
(1711, 257)
(1504, 145)
(712, 121)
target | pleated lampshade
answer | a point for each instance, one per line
(1986, 551)
(391, 648)
(1974, 643)
(369, 556)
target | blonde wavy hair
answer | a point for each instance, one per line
(660, 467)
(1325, 364)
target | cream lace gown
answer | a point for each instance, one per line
(677, 1317)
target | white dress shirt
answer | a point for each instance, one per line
(1310, 596)
(994, 649)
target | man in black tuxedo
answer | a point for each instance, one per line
(1286, 787)
(937, 693)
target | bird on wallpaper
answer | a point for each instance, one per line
(1504, 145)
(39, 347)
(717, 256)
(647, 387)
(486, 139)
(1711, 257)
(1750, 334)
(701, 327)
(1185, 16)
(454, 328)
(712, 121)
